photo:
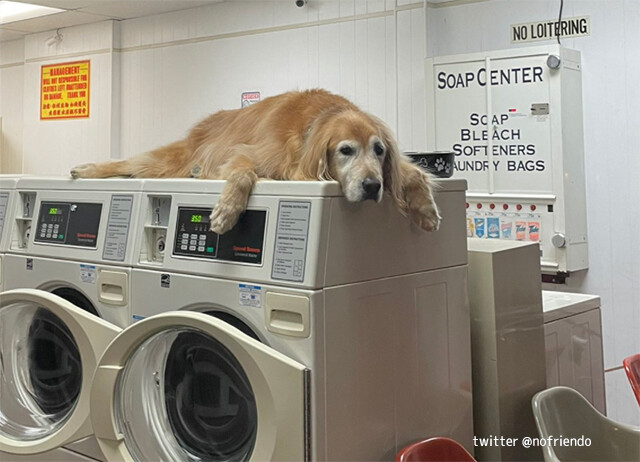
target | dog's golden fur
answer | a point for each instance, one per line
(293, 136)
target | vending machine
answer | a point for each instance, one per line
(513, 119)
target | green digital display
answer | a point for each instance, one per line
(53, 211)
(196, 218)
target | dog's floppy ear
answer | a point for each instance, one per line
(314, 164)
(392, 170)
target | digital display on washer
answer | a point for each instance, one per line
(69, 223)
(243, 243)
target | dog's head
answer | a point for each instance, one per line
(355, 149)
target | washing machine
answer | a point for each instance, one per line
(573, 343)
(73, 238)
(7, 209)
(316, 329)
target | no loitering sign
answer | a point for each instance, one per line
(579, 26)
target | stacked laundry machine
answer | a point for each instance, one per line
(316, 329)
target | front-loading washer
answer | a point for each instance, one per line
(49, 348)
(353, 292)
(340, 331)
(74, 238)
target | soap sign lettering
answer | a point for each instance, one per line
(515, 75)
(508, 152)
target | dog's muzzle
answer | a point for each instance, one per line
(371, 188)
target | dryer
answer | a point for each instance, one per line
(316, 329)
(73, 238)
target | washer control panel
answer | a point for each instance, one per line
(243, 243)
(68, 223)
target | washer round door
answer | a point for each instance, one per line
(48, 352)
(185, 386)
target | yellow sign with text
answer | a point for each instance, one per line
(64, 91)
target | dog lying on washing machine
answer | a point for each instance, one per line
(309, 135)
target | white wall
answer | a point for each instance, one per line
(31, 145)
(182, 66)
(11, 105)
(178, 67)
(611, 97)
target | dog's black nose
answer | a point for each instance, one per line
(371, 188)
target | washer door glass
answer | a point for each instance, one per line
(183, 396)
(77, 298)
(40, 372)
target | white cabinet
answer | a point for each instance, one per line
(507, 344)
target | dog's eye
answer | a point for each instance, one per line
(346, 150)
(378, 149)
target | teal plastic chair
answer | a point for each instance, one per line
(562, 411)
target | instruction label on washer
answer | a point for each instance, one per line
(4, 200)
(249, 295)
(115, 241)
(88, 274)
(292, 233)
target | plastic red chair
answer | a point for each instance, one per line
(438, 449)
(632, 368)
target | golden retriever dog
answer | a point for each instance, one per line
(309, 135)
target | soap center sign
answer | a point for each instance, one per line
(65, 90)
(496, 120)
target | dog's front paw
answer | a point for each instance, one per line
(424, 212)
(428, 219)
(83, 171)
(223, 218)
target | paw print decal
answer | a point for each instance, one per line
(441, 165)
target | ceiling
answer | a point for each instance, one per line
(79, 12)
